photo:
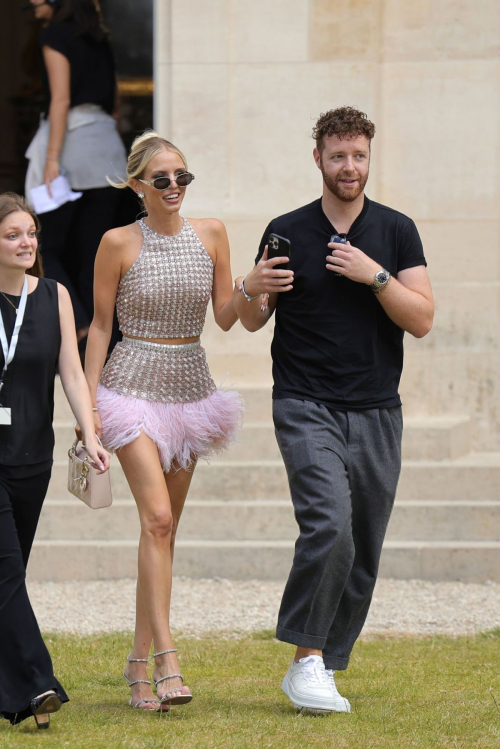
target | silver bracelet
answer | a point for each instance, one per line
(247, 296)
(95, 409)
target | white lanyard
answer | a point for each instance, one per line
(9, 351)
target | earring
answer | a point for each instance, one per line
(140, 194)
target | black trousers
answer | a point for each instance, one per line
(70, 237)
(25, 664)
(343, 469)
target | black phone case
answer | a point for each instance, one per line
(341, 240)
(278, 247)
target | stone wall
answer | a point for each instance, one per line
(238, 88)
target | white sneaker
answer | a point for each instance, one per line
(308, 686)
(343, 705)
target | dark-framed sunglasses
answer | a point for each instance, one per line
(163, 183)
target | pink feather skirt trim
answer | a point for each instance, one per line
(183, 432)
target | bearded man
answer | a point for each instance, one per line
(341, 313)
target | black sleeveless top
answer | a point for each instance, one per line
(92, 67)
(29, 381)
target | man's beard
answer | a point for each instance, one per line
(347, 196)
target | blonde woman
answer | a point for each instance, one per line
(158, 406)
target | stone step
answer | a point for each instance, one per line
(435, 439)
(256, 442)
(239, 522)
(460, 561)
(432, 438)
(100, 560)
(258, 404)
(473, 477)
(435, 520)
(265, 520)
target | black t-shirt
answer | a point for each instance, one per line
(91, 63)
(29, 381)
(333, 343)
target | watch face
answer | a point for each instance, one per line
(381, 276)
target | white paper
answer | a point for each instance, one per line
(5, 416)
(61, 191)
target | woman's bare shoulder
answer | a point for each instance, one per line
(212, 225)
(211, 231)
(122, 235)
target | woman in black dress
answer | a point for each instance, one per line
(37, 334)
(77, 137)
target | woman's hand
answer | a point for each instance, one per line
(98, 455)
(50, 172)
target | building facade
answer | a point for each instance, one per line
(238, 88)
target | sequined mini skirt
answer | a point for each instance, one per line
(167, 392)
(159, 371)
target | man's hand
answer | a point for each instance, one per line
(265, 279)
(351, 263)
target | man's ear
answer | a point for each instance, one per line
(317, 158)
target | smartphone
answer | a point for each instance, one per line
(278, 247)
(341, 240)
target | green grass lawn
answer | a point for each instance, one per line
(435, 692)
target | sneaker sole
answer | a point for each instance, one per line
(311, 710)
(321, 711)
(300, 703)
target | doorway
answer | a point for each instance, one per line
(21, 93)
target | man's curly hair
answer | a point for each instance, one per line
(345, 123)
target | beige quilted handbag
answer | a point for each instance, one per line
(84, 481)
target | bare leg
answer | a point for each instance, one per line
(143, 636)
(177, 486)
(141, 465)
(140, 649)
(304, 652)
(178, 483)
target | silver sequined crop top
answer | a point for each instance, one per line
(165, 293)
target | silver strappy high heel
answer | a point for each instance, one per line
(138, 704)
(181, 699)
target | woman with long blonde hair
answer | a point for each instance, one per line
(157, 405)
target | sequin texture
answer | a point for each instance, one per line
(166, 391)
(165, 293)
(158, 371)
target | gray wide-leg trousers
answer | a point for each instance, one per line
(343, 468)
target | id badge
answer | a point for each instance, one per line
(5, 417)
